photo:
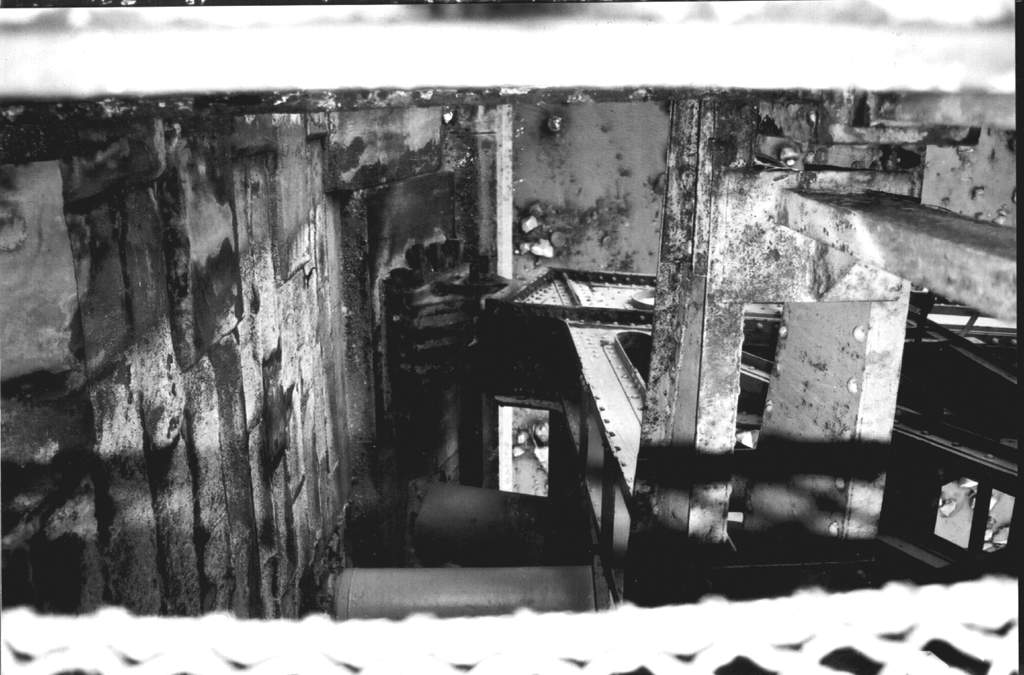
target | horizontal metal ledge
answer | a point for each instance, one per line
(89, 53)
(396, 593)
(967, 261)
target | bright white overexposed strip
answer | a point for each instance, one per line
(862, 43)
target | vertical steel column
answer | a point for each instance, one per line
(694, 379)
(723, 248)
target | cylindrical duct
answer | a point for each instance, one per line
(476, 526)
(382, 593)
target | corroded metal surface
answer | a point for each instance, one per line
(883, 338)
(674, 264)
(609, 437)
(957, 257)
(469, 142)
(977, 109)
(740, 255)
(845, 137)
(595, 186)
(583, 296)
(694, 378)
(835, 378)
(978, 181)
(814, 391)
(726, 136)
(617, 396)
(879, 386)
(754, 260)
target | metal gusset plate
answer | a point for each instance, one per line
(591, 297)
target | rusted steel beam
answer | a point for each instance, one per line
(707, 136)
(959, 258)
(754, 261)
(674, 261)
(977, 181)
(924, 108)
(919, 133)
(503, 178)
(609, 421)
(694, 377)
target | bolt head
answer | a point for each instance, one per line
(788, 155)
(555, 123)
(768, 405)
(833, 528)
(840, 483)
(852, 385)
(782, 331)
(860, 333)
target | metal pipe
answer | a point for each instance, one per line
(477, 526)
(380, 593)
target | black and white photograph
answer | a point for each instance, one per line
(509, 337)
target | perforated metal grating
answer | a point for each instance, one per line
(898, 629)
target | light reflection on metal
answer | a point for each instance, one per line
(396, 593)
(914, 242)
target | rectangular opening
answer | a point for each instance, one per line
(523, 443)
(760, 339)
(955, 512)
(997, 527)
(973, 515)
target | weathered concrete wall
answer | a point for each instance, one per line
(593, 177)
(189, 415)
